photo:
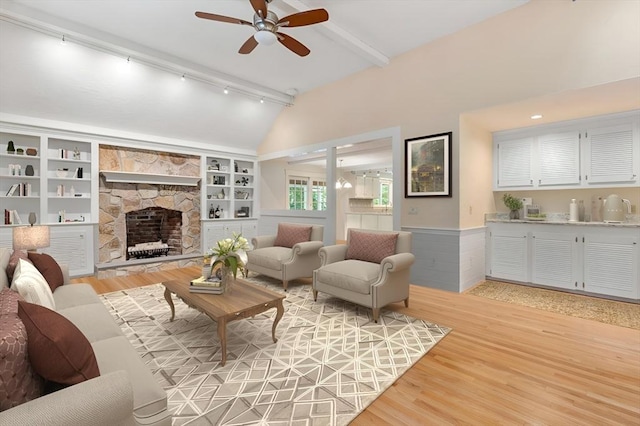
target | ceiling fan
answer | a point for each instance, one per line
(267, 26)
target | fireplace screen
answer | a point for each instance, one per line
(153, 232)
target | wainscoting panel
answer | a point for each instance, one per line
(448, 259)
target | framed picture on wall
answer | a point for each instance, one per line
(428, 166)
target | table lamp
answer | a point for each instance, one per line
(30, 238)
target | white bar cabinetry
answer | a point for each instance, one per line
(584, 258)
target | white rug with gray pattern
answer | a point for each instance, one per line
(330, 362)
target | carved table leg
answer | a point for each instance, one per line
(167, 296)
(222, 335)
(279, 314)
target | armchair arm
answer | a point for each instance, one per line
(397, 262)
(105, 400)
(306, 247)
(263, 241)
(332, 254)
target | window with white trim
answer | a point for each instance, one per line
(307, 192)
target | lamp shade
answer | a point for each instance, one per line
(30, 237)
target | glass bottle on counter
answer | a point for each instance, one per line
(211, 212)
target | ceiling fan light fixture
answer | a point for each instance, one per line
(265, 37)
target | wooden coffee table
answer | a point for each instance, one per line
(243, 301)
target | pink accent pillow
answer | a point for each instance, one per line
(290, 235)
(371, 247)
(49, 269)
(18, 382)
(58, 350)
(13, 262)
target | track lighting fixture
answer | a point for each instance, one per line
(63, 41)
(261, 100)
(182, 78)
(226, 90)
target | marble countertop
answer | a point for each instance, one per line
(566, 222)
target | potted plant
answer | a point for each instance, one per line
(513, 204)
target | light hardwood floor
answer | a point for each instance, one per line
(501, 364)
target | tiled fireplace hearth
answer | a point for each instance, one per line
(172, 212)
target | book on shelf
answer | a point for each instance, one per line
(12, 190)
(16, 218)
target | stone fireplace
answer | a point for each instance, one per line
(171, 211)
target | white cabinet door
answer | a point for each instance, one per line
(385, 222)
(250, 229)
(353, 221)
(369, 221)
(509, 255)
(212, 233)
(559, 159)
(611, 263)
(72, 245)
(515, 163)
(555, 260)
(612, 154)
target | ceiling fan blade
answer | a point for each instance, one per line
(220, 18)
(248, 46)
(293, 45)
(260, 6)
(301, 19)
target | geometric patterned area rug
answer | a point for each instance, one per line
(624, 314)
(330, 362)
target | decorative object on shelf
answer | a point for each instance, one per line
(242, 212)
(20, 151)
(245, 170)
(224, 168)
(214, 165)
(62, 173)
(76, 153)
(32, 218)
(513, 204)
(11, 149)
(428, 165)
(235, 166)
(227, 257)
(28, 171)
(32, 152)
(221, 194)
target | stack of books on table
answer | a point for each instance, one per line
(210, 286)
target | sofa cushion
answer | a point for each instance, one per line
(19, 383)
(115, 354)
(352, 275)
(58, 351)
(289, 234)
(31, 285)
(371, 247)
(48, 267)
(5, 254)
(13, 262)
(93, 320)
(270, 257)
(70, 295)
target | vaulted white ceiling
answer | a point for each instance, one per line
(88, 81)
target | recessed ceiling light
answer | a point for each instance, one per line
(536, 116)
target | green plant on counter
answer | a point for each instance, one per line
(512, 202)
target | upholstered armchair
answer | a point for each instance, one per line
(372, 269)
(291, 253)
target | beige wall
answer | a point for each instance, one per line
(273, 184)
(541, 48)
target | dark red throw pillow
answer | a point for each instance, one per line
(49, 269)
(58, 351)
(289, 235)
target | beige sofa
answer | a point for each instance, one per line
(373, 283)
(286, 263)
(125, 393)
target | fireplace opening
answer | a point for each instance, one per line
(153, 232)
